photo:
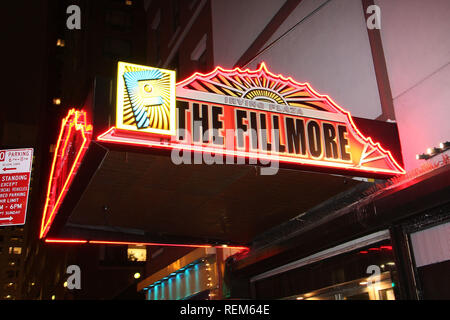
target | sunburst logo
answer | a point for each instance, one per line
(259, 85)
(145, 99)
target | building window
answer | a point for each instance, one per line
(199, 54)
(175, 15)
(137, 253)
(60, 43)
(10, 285)
(193, 4)
(175, 65)
(157, 45)
(119, 19)
(156, 41)
(15, 250)
(113, 255)
(16, 238)
(10, 274)
(13, 263)
(117, 48)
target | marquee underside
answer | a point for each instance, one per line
(135, 195)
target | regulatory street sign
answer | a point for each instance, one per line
(15, 171)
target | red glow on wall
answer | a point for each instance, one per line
(376, 249)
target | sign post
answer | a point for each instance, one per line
(15, 171)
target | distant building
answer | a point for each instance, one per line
(63, 65)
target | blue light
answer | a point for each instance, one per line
(155, 295)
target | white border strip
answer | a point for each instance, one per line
(212, 98)
(328, 253)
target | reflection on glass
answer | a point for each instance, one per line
(368, 273)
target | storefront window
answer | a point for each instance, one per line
(137, 253)
(15, 250)
(367, 273)
(431, 252)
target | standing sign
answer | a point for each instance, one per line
(15, 170)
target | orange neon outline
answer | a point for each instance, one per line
(76, 241)
(65, 241)
(307, 162)
(263, 70)
(74, 116)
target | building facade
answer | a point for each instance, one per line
(302, 235)
(381, 60)
(63, 65)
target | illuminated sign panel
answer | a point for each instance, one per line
(259, 115)
(145, 99)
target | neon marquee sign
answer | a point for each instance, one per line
(259, 115)
(238, 113)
